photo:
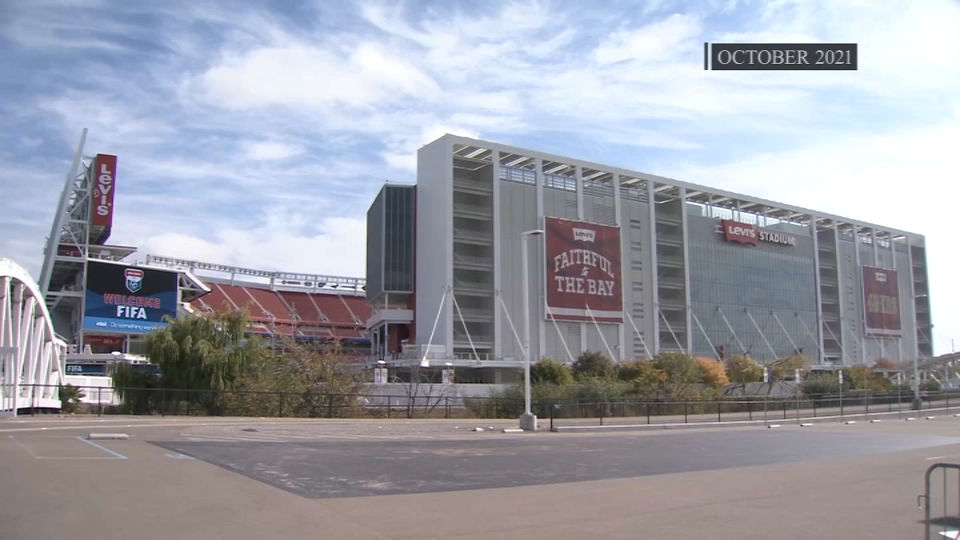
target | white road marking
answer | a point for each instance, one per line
(117, 455)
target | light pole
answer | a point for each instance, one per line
(917, 402)
(528, 422)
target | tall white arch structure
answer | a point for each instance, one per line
(31, 354)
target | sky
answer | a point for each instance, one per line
(257, 133)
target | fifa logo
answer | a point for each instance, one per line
(133, 279)
(584, 235)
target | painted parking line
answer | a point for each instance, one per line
(33, 453)
(117, 455)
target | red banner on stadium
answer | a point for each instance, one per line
(103, 180)
(881, 299)
(583, 271)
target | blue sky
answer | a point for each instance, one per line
(256, 133)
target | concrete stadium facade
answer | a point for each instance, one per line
(700, 270)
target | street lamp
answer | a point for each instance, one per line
(917, 402)
(528, 422)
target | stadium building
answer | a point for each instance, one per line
(101, 303)
(625, 263)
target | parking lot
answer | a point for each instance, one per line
(277, 479)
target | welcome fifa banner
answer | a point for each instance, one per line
(128, 299)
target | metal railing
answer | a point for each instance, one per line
(470, 259)
(471, 209)
(426, 399)
(472, 234)
(948, 521)
(472, 285)
(797, 409)
(461, 337)
(472, 184)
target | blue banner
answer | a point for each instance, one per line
(127, 299)
(101, 369)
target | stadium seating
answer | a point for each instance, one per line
(269, 304)
(335, 307)
(302, 306)
(314, 315)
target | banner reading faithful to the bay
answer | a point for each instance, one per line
(583, 278)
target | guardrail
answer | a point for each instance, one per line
(565, 415)
(948, 522)
(409, 400)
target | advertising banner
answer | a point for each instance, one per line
(126, 299)
(583, 271)
(750, 234)
(103, 178)
(881, 299)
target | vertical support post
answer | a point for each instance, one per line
(497, 259)
(815, 227)
(53, 241)
(527, 322)
(625, 270)
(652, 242)
(528, 422)
(857, 331)
(540, 283)
(841, 300)
(917, 401)
(686, 268)
(581, 327)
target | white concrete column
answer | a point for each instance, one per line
(539, 265)
(497, 260)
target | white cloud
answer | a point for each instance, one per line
(655, 43)
(309, 76)
(259, 137)
(291, 243)
(403, 153)
(270, 150)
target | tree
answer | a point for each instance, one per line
(819, 384)
(593, 364)
(70, 398)
(785, 368)
(549, 371)
(712, 373)
(741, 369)
(883, 363)
(295, 379)
(199, 357)
(643, 375)
(423, 392)
(680, 372)
(864, 378)
(139, 390)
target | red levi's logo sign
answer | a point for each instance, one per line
(742, 233)
(583, 274)
(103, 178)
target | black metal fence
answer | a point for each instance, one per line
(427, 402)
(746, 409)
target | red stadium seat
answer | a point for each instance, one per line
(324, 316)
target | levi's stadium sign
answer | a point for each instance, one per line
(583, 278)
(750, 234)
